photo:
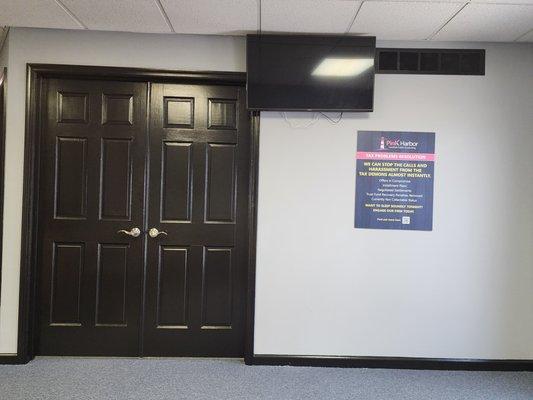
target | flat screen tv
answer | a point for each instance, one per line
(310, 73)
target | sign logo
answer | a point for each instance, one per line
(396, 144)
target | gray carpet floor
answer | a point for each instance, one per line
(200, 379)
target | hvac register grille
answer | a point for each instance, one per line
(430, 61)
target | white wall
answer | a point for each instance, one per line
(463, 290)
(177, 52)
(324, 288)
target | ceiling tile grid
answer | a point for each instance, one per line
(441, 20)
(527, 37)
(488, 23)
(308, 16)
(395, 20)
(119, 15)
(35, 14)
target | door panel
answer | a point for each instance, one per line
(217, 295)
(176, 182)
(115, 179)
(111, 285)
(220, 190)
(67, 268)
(93, 148)
(71, 177)
(172, 290)
(195, 277)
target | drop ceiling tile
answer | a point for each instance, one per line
(503, 1)
(420, 1)
(35, 14)
(463, 1)
(488, 23)
(395, 20)
(119, 15)
(307, 16)
(528, 37)
(225, 17)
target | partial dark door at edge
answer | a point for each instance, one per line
(93, 267)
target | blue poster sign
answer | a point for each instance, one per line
(394, 180)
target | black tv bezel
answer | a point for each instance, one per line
(369, 41)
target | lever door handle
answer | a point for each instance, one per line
(154, 232)
(134, 232)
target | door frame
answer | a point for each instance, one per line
(3, 97)
(36, 73)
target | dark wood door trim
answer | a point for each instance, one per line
(252, 239)
(36, 73)
(137, 74)
(3, 93)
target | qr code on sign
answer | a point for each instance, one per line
(406, 220)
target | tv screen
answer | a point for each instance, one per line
(312, 73)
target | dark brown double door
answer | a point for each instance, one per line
(119, 159)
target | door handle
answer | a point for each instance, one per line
(154, 232)
(134, 232)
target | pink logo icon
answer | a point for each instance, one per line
(382, 144)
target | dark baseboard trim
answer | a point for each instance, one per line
(12, 360)
(394, 363)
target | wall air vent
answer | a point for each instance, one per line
(430, 61)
